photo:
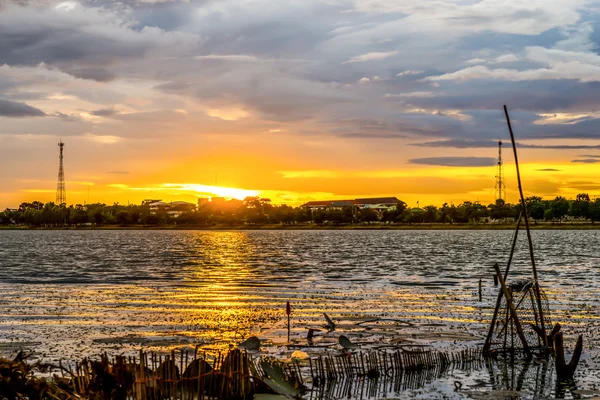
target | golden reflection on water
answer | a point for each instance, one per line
(226, 284)
(224, 259)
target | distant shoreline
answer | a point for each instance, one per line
(300, 227)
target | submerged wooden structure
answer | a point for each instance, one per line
(521, 324)
(521, 321)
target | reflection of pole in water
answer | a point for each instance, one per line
(521, 378)
(490, 368)
(534, 378)
(536, 391)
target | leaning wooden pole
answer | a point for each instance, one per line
(488, 339)
(526, 217)
(513, 311)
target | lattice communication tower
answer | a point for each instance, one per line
(61, 193)
(500, 185)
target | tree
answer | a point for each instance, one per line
(444, 212)
(96, 217)
(33, 217)
(134, 215)
(79, 215)
(453, 213)
(536, 211)
(583, 197)
(501, 210)
(149, 219)
(430, 214)
(367, 215)
(123, 218)
(319, 217)
(595, 210)
(531, 200)
(559, 207)
(581, 206)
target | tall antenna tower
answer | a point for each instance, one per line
(500, 186)
(61, 193)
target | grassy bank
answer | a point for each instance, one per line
(220, 227)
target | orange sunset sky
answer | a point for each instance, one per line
(298, 100)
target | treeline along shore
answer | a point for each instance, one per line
(260, 213)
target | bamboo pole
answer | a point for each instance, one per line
(513, 312)
(288, 311)
(526, 216)
(488, 339)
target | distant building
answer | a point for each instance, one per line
(211, 200)
(150, 201)
(376, 203)
(174, 208)
(388, 203)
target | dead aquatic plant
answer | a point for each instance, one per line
(276, 378)
(17, 381)
(107, 380)
(152, 377)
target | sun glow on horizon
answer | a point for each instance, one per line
(215, 191)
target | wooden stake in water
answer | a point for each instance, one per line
(513, 312)
(288, 311)
(480, 297)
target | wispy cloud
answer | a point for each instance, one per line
(586, 161)
(422, 94)
(103, 139)
(104, 112)
(455, 161)
(373, 56)
(410, 72)
(309, 174)
(478, 144)
(227, 57)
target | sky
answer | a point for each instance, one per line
(297, 100)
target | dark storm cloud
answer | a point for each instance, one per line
(83, 42)
(358, 70)
(18, 110)
(455, 161)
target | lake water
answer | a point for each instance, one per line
(68, 294)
